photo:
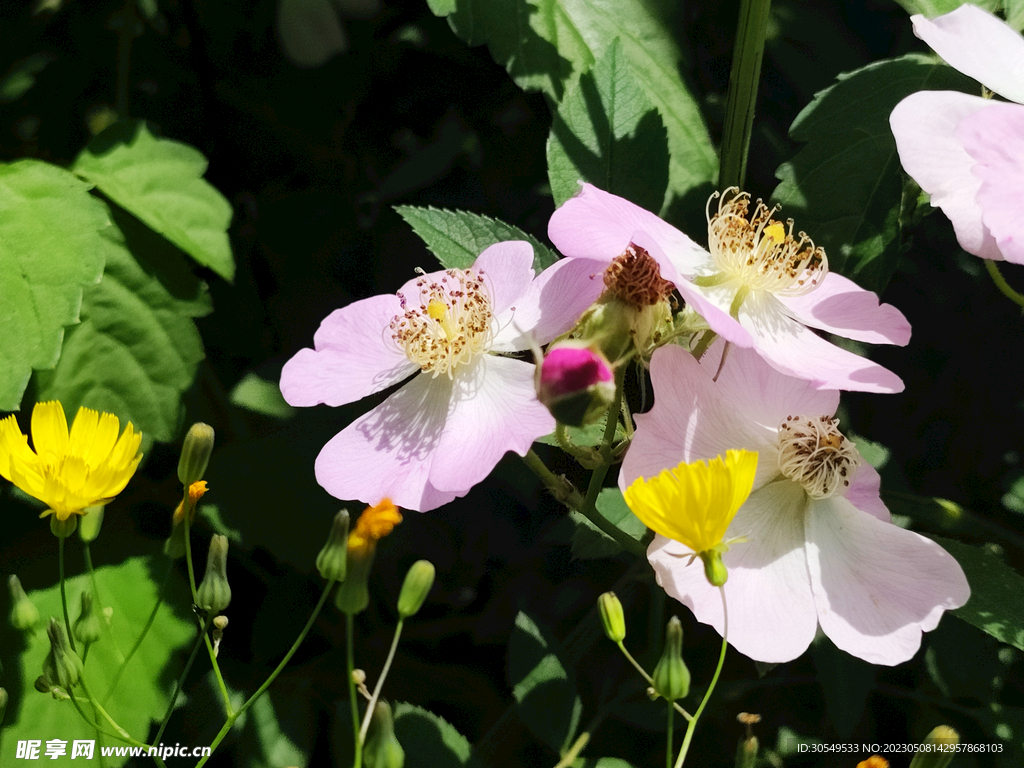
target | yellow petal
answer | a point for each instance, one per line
(93, 436)
(13, 447)
(49, 430)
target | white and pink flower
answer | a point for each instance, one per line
(820, 549)
(966, 151)
(465, 405)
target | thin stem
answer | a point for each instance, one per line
(380, 681)
(668, 738)
(678, 708)
(273, 675)
(63, 593)
(350, 666)
(217, 673)
(1001, 284)
(743, 81)
(706, 340)
(180, 681)
(711, 686)
(87, 552)
(570, 756)
(188, 550)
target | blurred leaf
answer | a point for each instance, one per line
(273, 747)
(844, 188)
(546, 696)
(600, 762)
(1012, 10)
(846, 682)
(261, 396)
(144, 691)
(22, 75)
(589, 542)
(456, 238)
(997, 592)
(429, 741)
(211, 514)
(310, 31)
(607, 132)
(50, 247)
(137, 349)
(160, 182)
(547, 44)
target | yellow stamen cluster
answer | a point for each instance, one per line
(374, 524)
(69, 471)
(758, 250)
(814, 453)
(449, 325)
(635, 278)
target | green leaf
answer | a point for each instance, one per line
(137, 349)
(429, 741)
(589, 542)
(161, 183)
(261, 396)
(1011, 10)
(456, 238)
(50, 247)
(547, 44)
(144, 691)
(601, 762)
(844, 188)
(546, 696)
(997, 591)
(607, 132)
(587, 436)
(273, 747)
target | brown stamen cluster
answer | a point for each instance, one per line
(635, 278)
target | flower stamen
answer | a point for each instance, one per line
(814, 453)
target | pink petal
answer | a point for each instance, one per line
(559, 295)
(494, 409)
(508, 269)
(979, 45)
(842, 307)
(925, 125)
(771, 607)
(796, 350)
(599, 225)
(354, 356)
(877, 586)
(389, 451)
(994, 138)
(864, 493)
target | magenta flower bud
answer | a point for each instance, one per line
(576, 384)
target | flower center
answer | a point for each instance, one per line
(450, 325)
(814, 453)
(635, 278)
(759, 251)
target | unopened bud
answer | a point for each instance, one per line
(382, 749)
(24, 614)
(87, 625)
(415, 588)
(63, 528)
(671, 678)
(333, 558)
(61, 666)
(746, 752)
(612, 617)
(220, 623)
(214, 594)
(92, 521)
(354, 592)
(577, 384)
(941, 743)
(174, 546)
(714, 569)
(195, 454)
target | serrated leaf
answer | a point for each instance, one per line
(844, 187)
(997, 592)
(456, 238)
(1011, 10)
(137, 349)
(547, 44)
(50, 247)
(545, 694)
(429, 741)
(144, 691)
(160, 182)
(588, 436)
(607, 132)
(589, 542)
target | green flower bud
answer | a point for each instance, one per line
(24, 614)
(612, 617)
(415, 588)
(714, 569)
(87, 626)
(214, 594)
(333, 558)
(174, 546)
(61, 666)
(91, 523)
(382, 749)
(195, 454)
(671, 678)
(942, 743)
(63, 528)
(354, 592)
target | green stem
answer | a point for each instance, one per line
(1001, 284)
(380, 681)
(702, 346)
(711, 686)
(668, 738)
(647, 677)
(743, 81)
(63, 593)
(229, 723)
(350, 666)
(180, 681)
(108, 632)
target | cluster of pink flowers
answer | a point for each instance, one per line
(819, 550)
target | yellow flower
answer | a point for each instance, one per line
(375, 523)
(69, 472)
(694, 503)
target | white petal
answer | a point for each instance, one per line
(508, 270)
